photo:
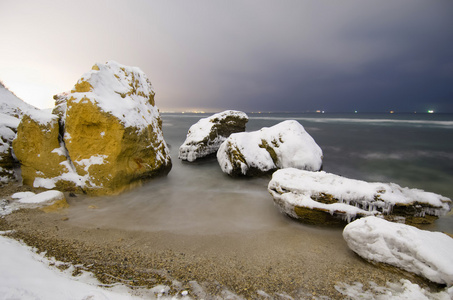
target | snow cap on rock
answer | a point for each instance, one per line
(425, 253)
(285, 145)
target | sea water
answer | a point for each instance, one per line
(412, 150)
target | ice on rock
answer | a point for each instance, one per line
(206, 136)
(284, 145)
(320, 197)
(425, 253)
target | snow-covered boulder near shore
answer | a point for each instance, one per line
(11, 111)
(324, 198)
(102, 136)
(425, 253)
(285, 145)
(205, 137)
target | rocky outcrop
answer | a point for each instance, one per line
(11, 110)
(108, 132)
(424, 253)
(323, 198)
(205, 137)
(284, 145)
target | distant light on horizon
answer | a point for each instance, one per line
(430, 111)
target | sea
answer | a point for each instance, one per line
(412, 150)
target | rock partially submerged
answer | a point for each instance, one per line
(285, 145)
(205, 137)
(425, 253)
(103, 135)
(323, 198)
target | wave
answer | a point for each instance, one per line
(405, 155)
(446, 124)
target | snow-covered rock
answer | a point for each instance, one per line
(106, 133)
(206, 136)
(323, 198)
(425, 253)
(11, 110)
(285, 145)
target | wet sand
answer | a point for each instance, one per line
(303, 266)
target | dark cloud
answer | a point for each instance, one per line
(249, 55)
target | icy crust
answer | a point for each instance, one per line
(123, 91)
(206, 136)
(285, 145)
(347, 198)
(424, 253)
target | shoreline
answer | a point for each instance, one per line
(306, 265)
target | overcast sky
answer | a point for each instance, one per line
(248, 55)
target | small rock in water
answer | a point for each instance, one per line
(205, 137)
(285, 145)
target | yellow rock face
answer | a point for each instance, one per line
(104, 136)
(33, 147)
(112, 155)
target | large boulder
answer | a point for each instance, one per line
(11, 110)
(424, 253)
(284, 145)
(323, 198)
(205, 137)
(109, 130)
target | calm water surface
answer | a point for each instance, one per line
(413, 150)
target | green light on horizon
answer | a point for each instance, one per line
(430, 111)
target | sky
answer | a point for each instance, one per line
(336, 56)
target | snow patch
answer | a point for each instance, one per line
(44, 197)
(93, 160)
(21, 195)
(12, 105)
(27, 275)
(405, 290)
